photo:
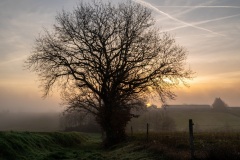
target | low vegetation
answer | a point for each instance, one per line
(27, 145)
(57, 146)
(75, 146)
(208, 145)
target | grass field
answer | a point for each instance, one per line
(80, 146)
(208, 145)
(206, 120)
(67, 146)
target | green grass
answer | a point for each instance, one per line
(67, 146)
(208, 145)
(80, 146)
(26, 145)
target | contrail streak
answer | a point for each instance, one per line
(235, 7)
(203, 22)
(187, 10)
(146, 4)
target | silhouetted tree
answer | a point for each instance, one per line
(107, 59)
(72, 119)
(219, 104)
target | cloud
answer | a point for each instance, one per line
(216, 60)
(205, 93)
(22, 58)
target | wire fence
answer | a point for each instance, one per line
(196, 141)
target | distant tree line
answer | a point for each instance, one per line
(158, 120)
(79, 121)
(219, 104)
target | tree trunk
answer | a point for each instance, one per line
(114, 136)
(113, 123)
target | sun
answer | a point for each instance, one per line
(148, 104)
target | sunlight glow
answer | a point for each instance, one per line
(167, 80)
(148, 104)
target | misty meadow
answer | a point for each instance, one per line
(74, 135)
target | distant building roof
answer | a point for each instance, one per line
(192, 106)
(234, 108)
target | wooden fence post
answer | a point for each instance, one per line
(131, 131)
(191, 138)
(147, 130)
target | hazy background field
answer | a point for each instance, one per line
(158, 119)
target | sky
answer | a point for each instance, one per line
(208, 29)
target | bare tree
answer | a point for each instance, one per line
(108, 59)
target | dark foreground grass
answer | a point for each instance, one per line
(79, 146)
(26, 145)
(210, 146)
(67, 146)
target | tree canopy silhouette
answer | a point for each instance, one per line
(219, 104)
(107, 59)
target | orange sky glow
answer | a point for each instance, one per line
(210, 31)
